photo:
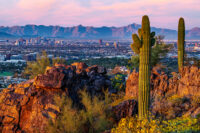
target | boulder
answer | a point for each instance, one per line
(124, 109)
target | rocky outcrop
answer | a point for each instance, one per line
(27, 107)
(185, 83)
(170, 96)
(159, 84)
(189, 83)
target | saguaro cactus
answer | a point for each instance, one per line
(181, 43)
(142, 46)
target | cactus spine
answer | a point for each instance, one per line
(142, 46)
(181, 42)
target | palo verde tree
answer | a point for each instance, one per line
(34, 68)
(142, 46)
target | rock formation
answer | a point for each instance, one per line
(186, 83)
(158, 84)
(175, 93)
(27, 107)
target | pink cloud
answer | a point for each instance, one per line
(163, 13)
(35, 4)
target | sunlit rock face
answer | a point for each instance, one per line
(185, 83)
(159, 83)
(27, 107)
(166, 90)
(189, 83)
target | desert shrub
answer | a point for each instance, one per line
(118, 82)
(95, 115)
(92, 118)
(177, 125)
(37, 67)
(134, 125)
(68, 121)
(181, 125)
(34, 68)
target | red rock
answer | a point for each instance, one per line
(28, 106)
(187, 83)
(159, 84)
(184, 86)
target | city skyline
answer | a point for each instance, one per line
(162, 13)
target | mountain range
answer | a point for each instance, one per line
(89, 32)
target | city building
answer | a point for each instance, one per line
(100, 42)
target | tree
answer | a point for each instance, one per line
(34, 68)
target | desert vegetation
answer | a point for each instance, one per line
(93, 117)
(78, 98)
(39, 66)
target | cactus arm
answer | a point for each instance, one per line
(135, 49)
(136, 45)
(137, 41)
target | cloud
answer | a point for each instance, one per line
(162, 13)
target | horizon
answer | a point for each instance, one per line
(96, 13)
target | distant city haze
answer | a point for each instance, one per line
(162, 13)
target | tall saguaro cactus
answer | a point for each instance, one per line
(181, 43)
(142, 46)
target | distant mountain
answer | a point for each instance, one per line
(194, 33)
(89, 32)
(5, 35)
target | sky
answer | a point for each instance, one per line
(162, 13)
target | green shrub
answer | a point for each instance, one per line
(152, 125)
(134, 125)
(68, 121)
(34, 68)
(93, 118)
(118, 82)
(181, 125)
